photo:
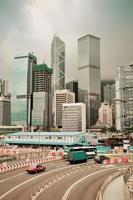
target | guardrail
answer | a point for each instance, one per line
(106, 182)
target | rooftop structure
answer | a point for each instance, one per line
(45, 138)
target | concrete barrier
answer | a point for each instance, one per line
(27, 163)
(123, 159)
(106, 182)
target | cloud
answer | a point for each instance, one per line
(30, 24)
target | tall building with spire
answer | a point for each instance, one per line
(58, 63)
(89, 76)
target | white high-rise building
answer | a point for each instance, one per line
(74, 117)
(105, 114)
(124, 98)
(62, 96)
(89, 76)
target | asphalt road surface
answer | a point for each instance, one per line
(60, 181)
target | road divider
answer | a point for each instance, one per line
(30, 162)
(123, 159)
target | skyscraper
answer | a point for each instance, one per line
(42, 97)
(107, 91)
(89, 76)
(21, 88)
(124, 98)
(58, 63)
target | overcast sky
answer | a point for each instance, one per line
(30, 24)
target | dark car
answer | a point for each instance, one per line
(35, 168)
(100, 159)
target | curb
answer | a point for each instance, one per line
(106, 183)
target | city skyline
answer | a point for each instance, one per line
(31, 25)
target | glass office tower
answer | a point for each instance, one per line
(89, 76)
(21, 88)
(58, 63)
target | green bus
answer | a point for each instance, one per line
(91, 151)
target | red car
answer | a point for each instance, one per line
(35, 168)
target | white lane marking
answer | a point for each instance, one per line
(60, 166)
(12, 177)
(107, 166)
(1, 181)
(14, 188)
(82, 179)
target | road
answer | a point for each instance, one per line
(61, 181)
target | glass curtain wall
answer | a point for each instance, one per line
(21, 88)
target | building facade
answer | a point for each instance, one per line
(62, 96)
(5, 112)
(58, 63)
(74, 117)
(107, 91)
(4, 88)
(106, 114)
(73, 87)
(124, 98)
(21, 88)
(42, 96)
(89, 76)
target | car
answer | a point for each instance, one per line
(100, 159)
(35, 168)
